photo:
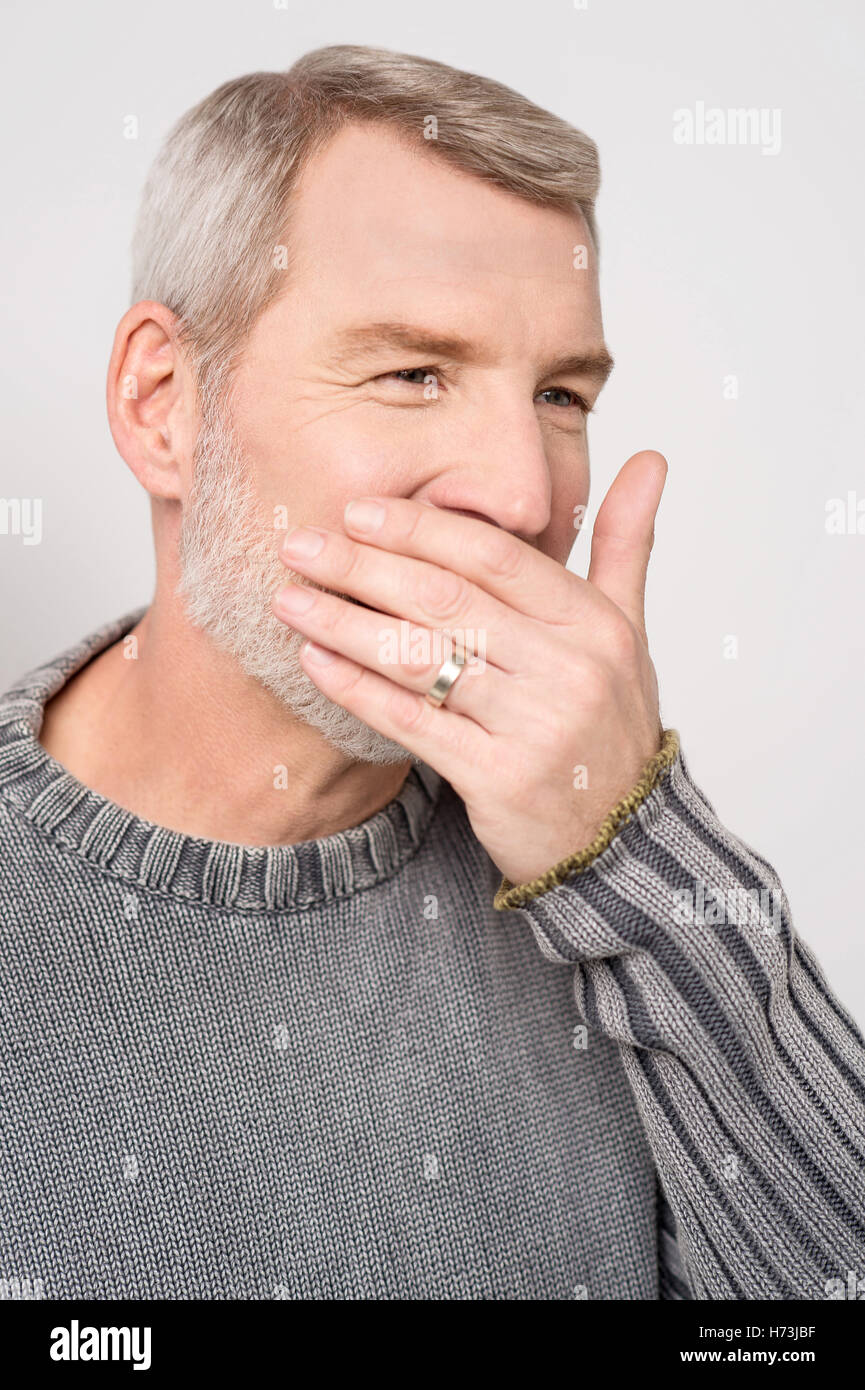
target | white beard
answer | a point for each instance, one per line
(230, 571)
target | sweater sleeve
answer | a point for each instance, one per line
(672, 1279)
(748, 1072)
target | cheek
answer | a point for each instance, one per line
(569, 478)
(314, 456)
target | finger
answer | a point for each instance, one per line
(623, 534)
(448, 742)
(498, 563)
(404, 587)
(410, 656)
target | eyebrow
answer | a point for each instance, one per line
(369, 338)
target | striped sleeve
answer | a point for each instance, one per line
(748, 1072)
(672, 1280)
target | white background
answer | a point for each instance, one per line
(715, 261)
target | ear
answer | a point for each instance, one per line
(151, 400)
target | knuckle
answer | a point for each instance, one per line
(423, 672)
(501, 555)
(414, 525)
(351, 684)
(405, 709)
(355, 681)
(443, 594)
(623, 644)
(420, 665)
(353, 568)
(329, 615)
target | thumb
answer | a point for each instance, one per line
(624, 531)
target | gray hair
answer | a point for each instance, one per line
(217, 199)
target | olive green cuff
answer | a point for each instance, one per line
(516, 895)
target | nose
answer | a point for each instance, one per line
(499, 472)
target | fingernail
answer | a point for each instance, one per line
(364, 516)
(303, 542)
(320, 655)
(295, 599)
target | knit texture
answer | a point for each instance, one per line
(333, 1070)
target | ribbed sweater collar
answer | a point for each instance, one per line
(214, 873)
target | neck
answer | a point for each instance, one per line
(180, 736)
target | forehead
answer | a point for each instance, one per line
(376, 215)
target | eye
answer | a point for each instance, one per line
(571, 399)
(414, 376)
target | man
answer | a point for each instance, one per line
(281, 850)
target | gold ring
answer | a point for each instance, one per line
(447, 677)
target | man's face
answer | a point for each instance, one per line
(382, 234)
(435, 341)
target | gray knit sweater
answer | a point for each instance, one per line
(334, 1070)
